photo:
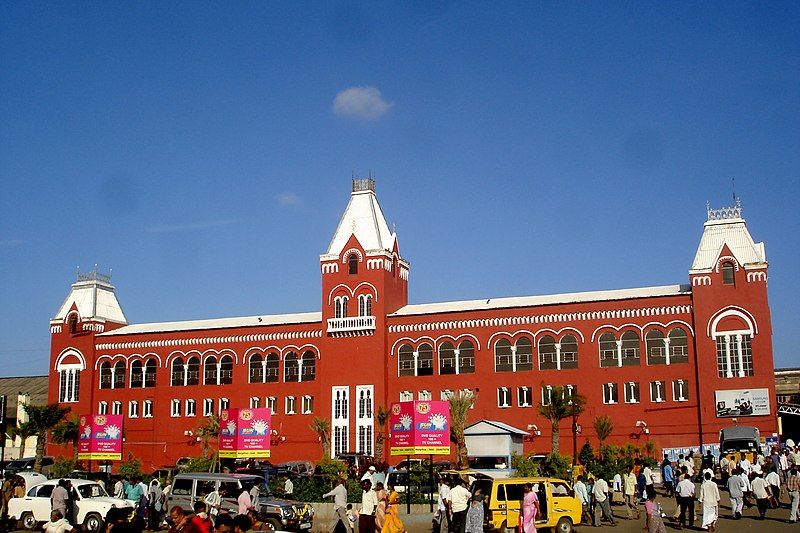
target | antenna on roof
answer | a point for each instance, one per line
(733, 188)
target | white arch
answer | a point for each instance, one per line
(185, 355)
(732, 310)
(669, 325)
(111, 358)
(144, 357)
(374, 289)
(330, 294)
(351, 251)
(511, 335)
(70, 313)
(220, 354)
(66, 352)
(456, 340)
(559, 333)
(412, 342)
(726, 258)
(263, 351)
(617, 328)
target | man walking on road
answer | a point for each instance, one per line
(339, 494)
(685, 491)
(629, 486)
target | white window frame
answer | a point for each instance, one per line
(191, 407)
(675, 389)
(503, 397)
(255, 401)
(632, 390)
(308, 404)
(662, 385)
(340, 419)
(116, 408)
(102, 408)
(290, 405)
(208, 407)
(406, 396)
(175, 408)
(365, 426)
(224, 403)
(524, 393)
(609, 391)
(133, 409)
(424, 396)
(547, 394)
(445, 395)
(147, 409)
(272, 403)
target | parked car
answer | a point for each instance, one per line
(31, 478)
(357, 463)
(260, 467)
(281, 514)
(26, 463)
(92, 504)
(166, 472)
(296, 468)
(560, 509)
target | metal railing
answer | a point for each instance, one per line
(351, 323)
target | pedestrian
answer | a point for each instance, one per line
(213, 501)
(59, 498)
(5, 496)
(709, 498)
(339, 494)
(440, 522)
(393, 524)
(242, 523)
(200, 519)
(380, 511)
(668, 479)
(369, 474)
(530, 508)
(592, 502)
(119, 488)
(759, 486)
(653, 521)
(58, 524)
(153, 504)
(736, 488)
(793, 486)
(773, 480)
(459, 500)
(369, 504)
(180, 522)
(223, 524)
(244, 501)
(601, 496)
(583, 496)
(629, 492)
(649, 481)
(474, 520)
(685, 491)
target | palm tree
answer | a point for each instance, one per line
(23, 431)
(322, 428)
(460, 405)
(67, 432)
(207, 432)
(43, 418)
(560, 406)
(603, 427)
(382, 418)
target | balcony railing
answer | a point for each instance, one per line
(351, 323)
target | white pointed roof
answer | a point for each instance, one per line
(364, 218)
(94, 297)
(727, 227)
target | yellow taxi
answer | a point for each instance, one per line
(559, 508)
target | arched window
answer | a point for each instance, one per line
(137, 376)
(608, 350)
(630, 349)
(547, 353)
(678, 346)
(365, 305)
(309, 366)
(340, 306)
(210, 370)
(119, 375)
(524, 354)
(352, 264)
(503, 361)
(105, 375)
(447, 358)
(466, 358)
(405, 361)
(272, 368)
(176, 372)
(569, 352)
(425, 360)
(150, 373)
(728, 273)
(656, 348)
(226, 370)
(256, 368)
(73, 323)
(733, 333)
(193, 371)
(290, 368)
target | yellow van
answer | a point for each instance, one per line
(560, 509)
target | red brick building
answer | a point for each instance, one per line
(672, 363)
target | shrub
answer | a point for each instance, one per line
(524, 466)
(199, 464)
(557, 465)
(63, 466)
(586, 455)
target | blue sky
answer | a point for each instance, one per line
(200, 151)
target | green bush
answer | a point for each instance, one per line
(62, 467)
(557, 465)
(524, 466)
(586, 455)
(200, 464)
(131, 467)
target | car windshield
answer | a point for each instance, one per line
(18, 463)
(91, 490)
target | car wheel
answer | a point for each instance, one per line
(93, 523)
(273, 523)
(505, 529)
(29, 521)
(564, 525)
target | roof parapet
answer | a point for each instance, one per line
(93, 275)
(365, 184)
(725, 213)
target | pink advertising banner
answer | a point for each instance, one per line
(100, 437)
(421, 427)
(245, 433)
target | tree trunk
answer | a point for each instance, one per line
(379, 448)
(75, 452)
(556, 436)
(22, 447)
(462, 459)
(41, 444)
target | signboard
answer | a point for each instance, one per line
(742, 402)
(100, 437)
(421, 427)
(244, 433)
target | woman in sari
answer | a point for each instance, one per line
(380, 511)
(530, 508)
(392, 522)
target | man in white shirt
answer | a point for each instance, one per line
(369, 474)
(339, 494)
(369, 503)
(459, 499)
(442, 503)
(685, 492)
(58, 524)
(759, 486)
(745, 465)
(600, 493)
(213, 501)
(583, 496)
(774, 483)
(709, 497)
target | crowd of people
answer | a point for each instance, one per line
(378, 510)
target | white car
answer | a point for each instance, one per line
(91, 505)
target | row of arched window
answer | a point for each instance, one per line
(340, 306)
(551, 353)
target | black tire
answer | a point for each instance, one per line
(93, 523)
(28, 521)
(505, 529)
(273, 523)
(564, 525)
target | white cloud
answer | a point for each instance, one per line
(287, 198)
(361, 103)
(192, 226)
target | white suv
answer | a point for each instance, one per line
(91, 505)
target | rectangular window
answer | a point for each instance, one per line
(308, 405)
(255, 401)
(610, 393)
(734, 355)
(468, 392)
(503, 397)
(632, 392)
(446, 394)
(175, 408)
(658, 391)
(116, 408)
(272, 402)
(547, 394)
(290, 405)
(147, 409)
(424, 395)
(224, 403)
(680, 390)
(406, 396)
(133, 409)
(191, 408)
(102, 408)
(569, 392)
(208, 407)
(523, 397)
